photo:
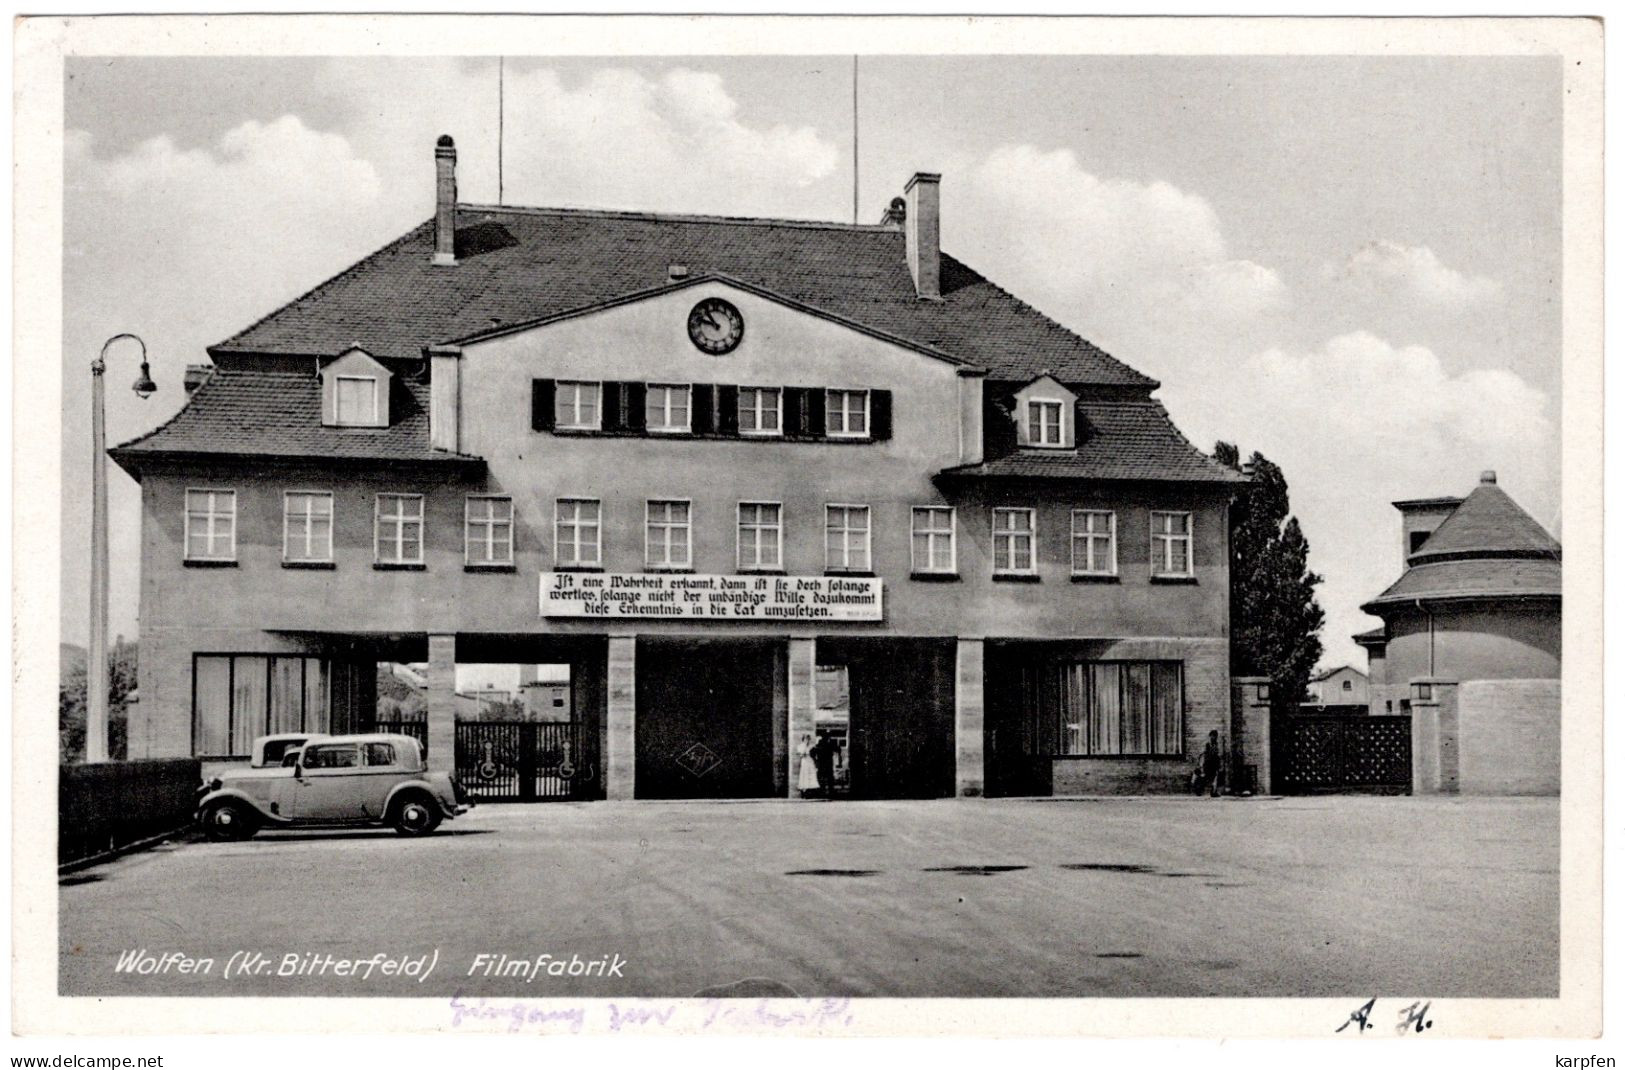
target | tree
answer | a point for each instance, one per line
(73, 702)
(1275, 619)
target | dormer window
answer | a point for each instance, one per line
(355, 391)
(1044, 422)
(1045, 414)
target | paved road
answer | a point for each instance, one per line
(1121, 897)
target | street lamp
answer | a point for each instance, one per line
(96, 669)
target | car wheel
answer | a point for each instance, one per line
(416, 815)
(229, 821)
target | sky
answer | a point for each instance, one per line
(1349, 264)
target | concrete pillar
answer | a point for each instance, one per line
(620, 758)
(801, 674)
(1435, 737)
(1250, 730)
(782, 747)
(442, 699)
(970, 715)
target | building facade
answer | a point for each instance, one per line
(1343, 688)
(704, 462)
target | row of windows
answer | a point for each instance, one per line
(578, 524)
(709, 409)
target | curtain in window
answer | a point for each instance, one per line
(1106, 702)
(316, 719)
(1166, 729)
(212, 706)
(248, 702)
(287, 695)
(1073, 709)
(1137, 707)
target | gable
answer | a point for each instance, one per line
(1036, 404)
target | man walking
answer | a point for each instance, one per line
(1212, 763)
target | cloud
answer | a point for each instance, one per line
(1114, 250)
(1357, 422)
(1417, 271)
(677, 142)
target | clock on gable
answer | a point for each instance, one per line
(715, 326)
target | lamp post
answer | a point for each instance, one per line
(96, 669)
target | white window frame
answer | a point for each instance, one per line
(402, 520)
(575, 423)
(868, 415)
(758, 410)
(931, 535)
(576, 524)
(306, 558)
(739, 538)
(1010, 534)
(1162, 545)
(666, 427)
(848, 508)
(1041, 405)
(213, 513)
(1088, 537)
(490, 524)
(687, 528)
(371, 419)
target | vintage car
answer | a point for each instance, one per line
(374, 779)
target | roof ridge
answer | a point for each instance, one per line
(1053, 323)
(324, 284)
(681, 217)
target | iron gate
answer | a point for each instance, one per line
(525, 761)
(1343, 753)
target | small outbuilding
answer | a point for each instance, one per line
(1471, 644)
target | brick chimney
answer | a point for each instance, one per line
(445, 201)
(922, 231)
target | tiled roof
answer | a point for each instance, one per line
(1488, 547)
(1126, 439)
(520, 265)
(276, 414)
(1487, 522)
(1496, 577)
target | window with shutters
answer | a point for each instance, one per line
(761, 410)
(667, 408)
(666, 542)
(577, 406)
(846, 413)
(761, 536)
(356, 398)
(577, 533)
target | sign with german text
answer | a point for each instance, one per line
(686, 596)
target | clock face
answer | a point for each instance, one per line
(715, 326)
